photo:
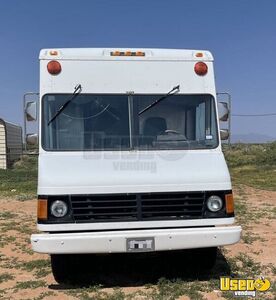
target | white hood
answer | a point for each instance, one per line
(132, 172)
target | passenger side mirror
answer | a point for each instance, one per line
(223, 111)
(32, 139)
(30, 111)
(224, 134)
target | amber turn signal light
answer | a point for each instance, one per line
(229, 203)
(42, 209)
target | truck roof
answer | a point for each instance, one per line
(106, 54)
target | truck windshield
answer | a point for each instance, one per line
(112, 122)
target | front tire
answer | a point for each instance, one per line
(65, 267)
(206, 258)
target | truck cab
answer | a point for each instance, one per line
(130, 156)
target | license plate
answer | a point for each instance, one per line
(140, 244)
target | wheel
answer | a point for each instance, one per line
(65, 267)
(205, 258)
(196, 260)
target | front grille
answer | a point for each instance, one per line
(104, 208)
(137, 207)
(171, 206)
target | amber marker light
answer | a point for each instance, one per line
(127, 53)
(42, 209)
(54, 67)
(115, 53)
(199, 54)
(229, 203)
(140, 53)
(53, 52)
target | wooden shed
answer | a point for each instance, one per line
(11, 144)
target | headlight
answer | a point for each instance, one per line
(59, 209)
(214, 203)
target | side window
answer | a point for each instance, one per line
(200, 121)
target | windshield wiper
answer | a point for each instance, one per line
(170, 93)
(76, 92)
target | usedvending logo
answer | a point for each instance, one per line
(244, 287)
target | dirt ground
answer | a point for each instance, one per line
(27, 275)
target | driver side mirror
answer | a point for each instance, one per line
(224, 134)
(223, 111)
(31, 111)
(32, 139)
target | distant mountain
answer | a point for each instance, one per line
(251, 138)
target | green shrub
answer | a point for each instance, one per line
(245, 154)
(21, 180)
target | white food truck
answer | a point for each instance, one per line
(130, 156)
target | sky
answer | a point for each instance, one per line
(241, 34)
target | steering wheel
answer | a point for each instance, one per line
(170, 131)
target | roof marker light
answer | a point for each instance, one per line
(127, 53)
(199, 54)
(115, 53)
(140, 53)
(201, 68)
(54, 67)
(53, 52)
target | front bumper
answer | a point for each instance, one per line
(115, 241)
